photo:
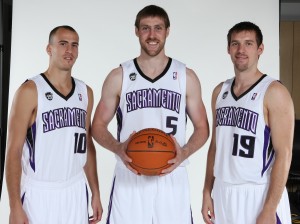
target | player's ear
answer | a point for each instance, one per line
(136, 31)
(48, 49)
(260, 49)
(168, 31)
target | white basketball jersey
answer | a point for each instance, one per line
(244, 151)
(55, 147)
(158, 103)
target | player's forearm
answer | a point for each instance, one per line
(278, 180)
(92, 178)
(103, 137)
(196, 141)
(90, 168)
(13, 179)
(209, 176)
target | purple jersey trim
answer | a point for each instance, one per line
(110, 201)
(268, 150)
(30, 140)
(23, 197)
(278, 220)
(119, 116)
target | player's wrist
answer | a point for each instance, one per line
(95, 193)
(15, 204)
(206, 192)
(269, 208)
(185, 152)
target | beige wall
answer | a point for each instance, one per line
(290, 60)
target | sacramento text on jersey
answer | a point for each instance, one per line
(63, 117)
(146, 98)
(237, 117)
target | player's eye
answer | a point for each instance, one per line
(158, 28)
(145, 28)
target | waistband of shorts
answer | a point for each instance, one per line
(237, 185)
(27, 181)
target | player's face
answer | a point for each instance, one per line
(244, 51)
(152, 35)
(63, 49)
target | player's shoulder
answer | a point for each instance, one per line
(277, 90)
(277, 95)
(26, 94)
(115, 74)
(28, 87)
(217, 89)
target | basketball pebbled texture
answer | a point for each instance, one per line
(150, 150)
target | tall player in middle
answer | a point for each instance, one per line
(152, 90)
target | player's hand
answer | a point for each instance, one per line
(207, 209)
(123, 155)
(97, 209)
(18, 216)
(177, 160)
(266, 217)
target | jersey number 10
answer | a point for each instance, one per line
(80, 143)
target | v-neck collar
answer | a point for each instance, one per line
(247, 91)
(157, 77)
(56, 91)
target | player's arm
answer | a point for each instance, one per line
(22, 115)
(279, 115)
(105, 111)
(197, 114)
(207, 202)
(90, 167)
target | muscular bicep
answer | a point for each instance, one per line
(214, 97)
(279, 115)
(110, 97)
(195, 106)
(22, 115)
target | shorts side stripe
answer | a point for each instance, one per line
(110, 201)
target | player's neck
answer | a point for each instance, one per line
(61, 80)
(244, 80)
(152, 66)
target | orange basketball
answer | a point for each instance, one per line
(150, 150)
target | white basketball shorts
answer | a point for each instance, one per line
(235, 204)
(59, 203)
(138, 199)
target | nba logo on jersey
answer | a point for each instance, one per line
(49, 95)
(253, 96)
(174, 75)
(80, 96)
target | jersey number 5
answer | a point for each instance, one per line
(170, 124)
(246, 142)
(80, 143)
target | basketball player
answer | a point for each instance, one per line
(50, 145)
(251, 146)
(151, 91)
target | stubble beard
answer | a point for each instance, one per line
(153, 53)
